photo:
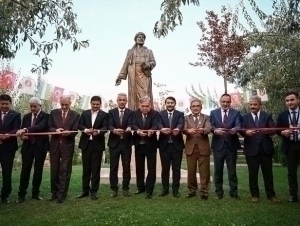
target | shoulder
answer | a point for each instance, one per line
(42, 113)
(178, 112)
(14, 112)
(283, 113)
(54, 111)
(103, 112)
(129, 110)
(205, 116)
(74, 113)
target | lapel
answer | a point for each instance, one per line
(286, 118)
(117, 117)
(191, 119)
(219, 116)
(7, 117)
(230, 115)
(261, 119)
(139, 120)
(38, 119)
(125, 116)
(97, 118)
(68, 116)
(148, 118)
(89, 118)
(166, 117)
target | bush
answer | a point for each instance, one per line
(278, 155)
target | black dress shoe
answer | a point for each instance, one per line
(235, 196)
(36, 197)
(52, 198)
(126, 193)
(176, 194)
(148, 196)
(219, 196)
(59, 200)
(94, 196)
(164, 193)
(20, 199)
(204, 197)
(82, 195)
(139, 192)
(293, 198)
(4, 200)
(114, 194)
(191, 194)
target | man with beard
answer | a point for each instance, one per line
(92, 144)
(120, 143)
(170, 145)
(145, 122)
(258, 148)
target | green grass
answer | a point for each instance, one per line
(136, 210)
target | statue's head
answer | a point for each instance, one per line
(139, 38)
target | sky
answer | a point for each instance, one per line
(110, 27)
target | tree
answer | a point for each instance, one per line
(221, 48)
(162, 93)
(28, 20)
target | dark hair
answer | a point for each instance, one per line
(225, 95)
(292, 93)
(96, 98)
(170, 98)
(5, 97)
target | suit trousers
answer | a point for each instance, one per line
(91, 167)
(225, 154)
(203, 163)
(265, 162)
(121, 150)
(6, 161)
(293, 159)
(170, 157)
(61, 170)
(30, 155)
(141, 152)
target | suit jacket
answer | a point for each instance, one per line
(41, 141)
(252, 143)
(114, 123)
(71, 123)
(151, 123)
(283, 122)
(100, 123)
(233, 121)
(201, 140)
(177, 122)
(11, 125)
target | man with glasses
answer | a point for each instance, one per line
(225, 122)
(34, 148)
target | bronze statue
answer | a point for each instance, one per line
(138, 65)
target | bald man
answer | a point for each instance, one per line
(62, 147)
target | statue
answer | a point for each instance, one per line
(138, 65)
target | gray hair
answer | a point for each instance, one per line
(255, 98)
(35, 100)
(196, 100)
(66, 97)
(122, 95)
(144, 99)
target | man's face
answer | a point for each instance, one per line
(254, 106)
(196, 107)
(145, 107)
(65, 104)
(5, 105)
(95, 105)
(225, 102)
(291, 101)
(35, 108)
(170, 104)
(140, 39)
(122, 101)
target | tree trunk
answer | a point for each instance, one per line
(225, 84)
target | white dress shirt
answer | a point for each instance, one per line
(223, 113)
(253, 115)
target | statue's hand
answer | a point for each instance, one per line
(118, 82)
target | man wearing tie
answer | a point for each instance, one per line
(34, 148)
(120, 142)
(291, 140)
(171, 145)
(9, 124)
(225, 122)
(93, 123)
(258, 148)
(64, 121)
(197, 127)
(145, 122)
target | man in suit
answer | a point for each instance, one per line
(145, 123)
(291, 140)
(170, 145)
(34, 148)
(225, 122)
(92, 144)
(10, 122)
(197, 127)
(258, 148)
(64, 121)
(120, 142)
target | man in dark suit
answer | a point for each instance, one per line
(170, 145)
(10, 122)
(225, 144)
(92, 144)
(120, 143)
(63, 121)
(34, 148)
(145, 122)
(258, 148)
(291, 140)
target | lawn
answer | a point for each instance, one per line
(136, 210)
